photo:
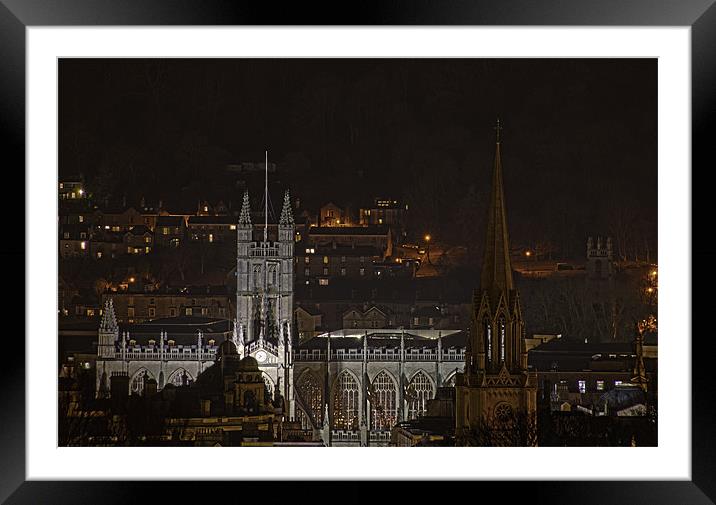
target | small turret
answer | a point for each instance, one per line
(286, 212)
(245, 215)
(108, 331)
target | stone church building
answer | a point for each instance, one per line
(177, 351)
(496, 389)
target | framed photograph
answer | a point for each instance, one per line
(431, 239)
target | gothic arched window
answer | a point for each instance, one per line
(345, 403)
(488, 340)
(501, 327)
(139, 380)
(310, 390)
(180, 377)
(311, 393)
(420, 390)
(384, 410)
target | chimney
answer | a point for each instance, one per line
(150, 388)
(119, 390)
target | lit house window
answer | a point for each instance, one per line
(362, 271)
(323, 282)
(82, 219)
(83, 245)
(325, 260)
(307, 272)
(232, 227)
(188, 311)
(582, 386)
(617, 383)
(306, 260)
(325, 270)
(600, 385)
(343, 272)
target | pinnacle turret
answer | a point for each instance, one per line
(286, 213)
(109, 320)
(245, 216)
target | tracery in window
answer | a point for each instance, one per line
(139, 381)
(345, 403)
(420, 390)
(311, 392)
(384, 411)
(180, 377)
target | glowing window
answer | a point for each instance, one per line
(345, 402)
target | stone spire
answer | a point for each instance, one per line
(245, 216)
(286, 213)
(109, 320)
(496, 275)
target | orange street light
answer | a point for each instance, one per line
(528, 253)
(427, 238)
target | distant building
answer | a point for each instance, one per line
(212, 229)
(71, 188)
(600, 259)
(203, 301)
(107, 244)
(309, 322)
(170, 231)
(384, 211)
(119, 220)
(74, 240)
(368, 317)
(321, 264)
(139, 240)
(331, 215)
(353, 236)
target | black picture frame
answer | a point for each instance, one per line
(700, 15)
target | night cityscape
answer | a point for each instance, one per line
(357, 252)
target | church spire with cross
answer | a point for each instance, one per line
(496, 273)
(497, 387)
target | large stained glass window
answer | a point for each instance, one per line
(384, 411)
(310, 390)
(420, 390)
(345, 402)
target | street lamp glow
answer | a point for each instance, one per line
(427, 238)
(81, 191)
(528, 253)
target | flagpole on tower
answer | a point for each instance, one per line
(266, 201)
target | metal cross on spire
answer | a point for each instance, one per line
(498, 129)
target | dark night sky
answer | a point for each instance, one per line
(579, 148)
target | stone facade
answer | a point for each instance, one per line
(354, 385)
